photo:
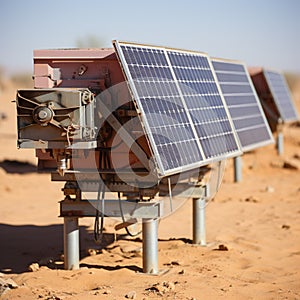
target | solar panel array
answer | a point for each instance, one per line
(281, 95)
(243, 104)
(184, 114)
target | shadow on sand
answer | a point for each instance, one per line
(17, 167)
(22, 245)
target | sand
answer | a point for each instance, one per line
(253, 234)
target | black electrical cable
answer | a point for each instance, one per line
(98, 228)
(100, 160)
(123, 218)
(108, 160)
(111, 148)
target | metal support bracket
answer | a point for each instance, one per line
(131, 209)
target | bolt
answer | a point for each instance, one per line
(42, 114)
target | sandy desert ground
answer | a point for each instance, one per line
(257, 221)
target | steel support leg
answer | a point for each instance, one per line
(238, 164)
(71, 243)
(150, 246)
(199, 230)
(280, 143)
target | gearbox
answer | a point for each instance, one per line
(58, 118)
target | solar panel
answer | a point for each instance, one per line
(243, 104)
(184, 115)
(281, 95)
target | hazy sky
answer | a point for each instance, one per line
(259, 32)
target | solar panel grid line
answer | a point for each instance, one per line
(247, 117)
(184, 154)
(209, 122)
(238, 95)
(244, 114)
(251, 127)
(243, 104)
(281, 95)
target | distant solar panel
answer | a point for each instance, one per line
(243, 104)
(184, 115)
(281, 95)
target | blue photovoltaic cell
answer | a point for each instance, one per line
(185, 118)
(243, 104)
(281, 95)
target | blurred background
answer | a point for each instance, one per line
(260, 33)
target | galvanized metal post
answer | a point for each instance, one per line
(280, 143)
(71, 243)
(199, 228)
(238, 165)
(150, 246)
